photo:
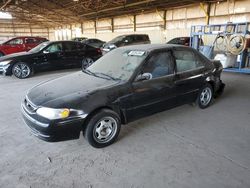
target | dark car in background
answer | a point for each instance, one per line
(126, 40)
(20, 44)
(185, 41)
(94, 42)
(79, 39)
(49, 56)
(124, 85)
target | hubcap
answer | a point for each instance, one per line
(105, 130)
(21, 70)
(87, 62)
(205, 96)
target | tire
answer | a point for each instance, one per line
(86, 62)
(205, 96)
(1, 54)
(21, 70)
(103, 128)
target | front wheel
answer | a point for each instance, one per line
(21, 70)
(103, 128)
(86, 62)
(205, 96)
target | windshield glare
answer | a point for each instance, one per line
(39, 47)
(118, 64)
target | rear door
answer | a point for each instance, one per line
(30, 43)
(71, 56)
(189, 75)
(157, 93)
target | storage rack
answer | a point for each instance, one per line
(198, 31)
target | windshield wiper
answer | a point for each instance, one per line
(100, 75)
(108, 76)
(88, 72)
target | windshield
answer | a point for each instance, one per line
(39, 47)
(118, 64)
(117, 39)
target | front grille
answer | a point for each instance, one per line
(30, 107)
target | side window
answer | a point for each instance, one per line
(145, 38)
(129, 39)
(139, 38)
(15, 42)
(186, 60)
(57, 47)
(159, 64)
(42, 40)
(30, 41)
(69, 46)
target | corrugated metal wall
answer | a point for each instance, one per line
(12, 28)
(178, 22)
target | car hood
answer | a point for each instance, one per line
(14, 56)
(63, 91)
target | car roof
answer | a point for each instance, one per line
(28, 37)
(57, 41)
(152, 47)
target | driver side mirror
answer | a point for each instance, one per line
(144, 76)
(45, 51)
(126, 41)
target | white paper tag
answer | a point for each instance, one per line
(136, 53)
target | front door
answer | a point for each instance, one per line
(51, 57)
(14, 46)
(156, 93)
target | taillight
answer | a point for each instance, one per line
(99, 50)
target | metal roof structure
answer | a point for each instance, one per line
(61, 12)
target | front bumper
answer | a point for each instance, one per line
(56, 130)
(5, 70)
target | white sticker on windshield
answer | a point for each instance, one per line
(136, 53)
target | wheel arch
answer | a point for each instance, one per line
(96, 110)
(211, 81)
(22, 61)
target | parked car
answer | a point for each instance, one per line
(183, 41)
(20, 44)
(124, 85)
(79, 39)
(125, 40)
(94, 42)
(49, 55)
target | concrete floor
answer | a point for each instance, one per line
(182, 148)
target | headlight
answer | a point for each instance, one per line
(51, 113)
(3, 63)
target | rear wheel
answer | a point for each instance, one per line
(86, 62)
(205, 96)
(103, 128)
(21, 70)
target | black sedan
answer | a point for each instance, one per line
(122, 86)
(49, 56)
